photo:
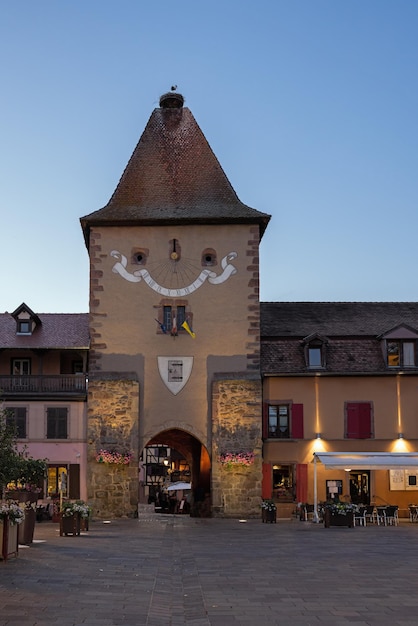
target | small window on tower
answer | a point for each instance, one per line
(209, 257)
(139, 256)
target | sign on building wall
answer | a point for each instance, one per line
(334, 488)
(403, 480)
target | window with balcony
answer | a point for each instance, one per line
(56, 423)
(16, 418)
(21, 367)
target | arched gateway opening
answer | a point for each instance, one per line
(169, 457)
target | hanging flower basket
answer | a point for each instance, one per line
(233, 459)
(116, 458)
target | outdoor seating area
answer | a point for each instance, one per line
(365, 515)
(380, 515)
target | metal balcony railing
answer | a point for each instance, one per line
(58, 384)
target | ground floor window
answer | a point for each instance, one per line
(284, 483)
(64, 478)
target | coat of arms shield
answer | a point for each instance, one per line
(175, 371)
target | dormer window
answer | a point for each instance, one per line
(314, 356)
(401, 353)
(24, 327)
(26, 320)
(315, 351)
(399, 347)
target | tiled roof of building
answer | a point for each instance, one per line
(351, 332)
(300, 319)
(173, 177)
(57, 330)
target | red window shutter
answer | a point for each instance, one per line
(359, 420)
(265, 420)
(365, 421)
(352, 420)
(267, 484)
(297, 421)
(74, 482)
(302, 482)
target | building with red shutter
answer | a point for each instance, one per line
(338, 377)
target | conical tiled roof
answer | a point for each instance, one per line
(173, 177)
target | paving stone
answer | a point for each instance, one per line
(181, 571)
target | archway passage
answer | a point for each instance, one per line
(176, 455)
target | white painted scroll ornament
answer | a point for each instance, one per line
(135, 277)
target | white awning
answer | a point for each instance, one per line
(367, 460)
(361, 461)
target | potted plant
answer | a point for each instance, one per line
(11, 515)
(268, 511)
(339, 514)
(25, 488)
(71, 516)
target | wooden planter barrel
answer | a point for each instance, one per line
(70, 525)
(9, 544)
(338, 519)
(268, 517)
(27, 527)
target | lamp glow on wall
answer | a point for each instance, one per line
(400, 444)
(318, 444)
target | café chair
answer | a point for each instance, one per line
(391, 516)
(413, 513)
(380, 515)
(360, 517)
(370, 514)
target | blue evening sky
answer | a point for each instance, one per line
(311, 107)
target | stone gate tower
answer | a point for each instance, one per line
(175, 322)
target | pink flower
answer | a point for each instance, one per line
(106, 456)
(236, 458)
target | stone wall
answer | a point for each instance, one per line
(236, 428)
(113, 415)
